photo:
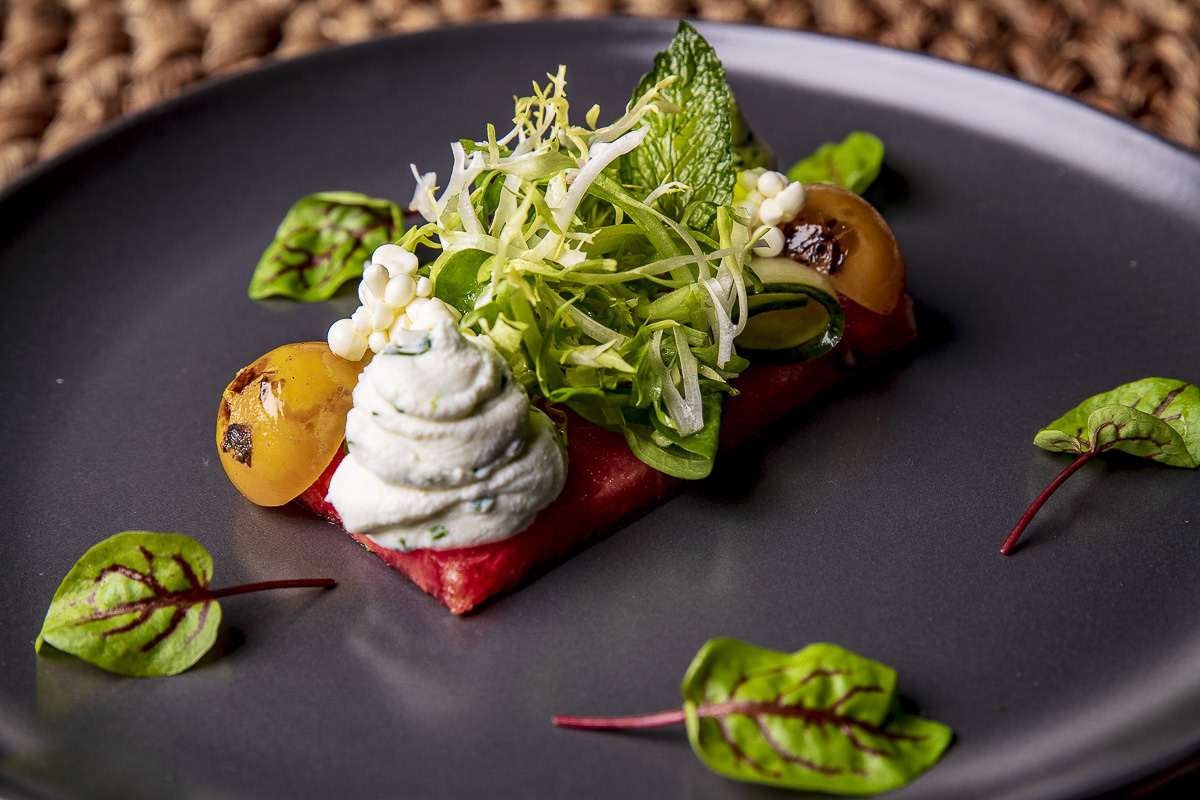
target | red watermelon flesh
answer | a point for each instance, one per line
(607, 486)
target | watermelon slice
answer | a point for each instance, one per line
(607, 486)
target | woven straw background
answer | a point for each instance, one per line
(69, 66)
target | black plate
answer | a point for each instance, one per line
(1053, 251)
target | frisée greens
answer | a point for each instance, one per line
(607, 263)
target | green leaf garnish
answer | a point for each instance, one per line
(852, 163)
(322, 243)
(139, 604)
(1154, 418)
(606, 263)
(456, 278)
(691, 143)
(823, 719)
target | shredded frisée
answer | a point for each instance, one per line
(594, 296)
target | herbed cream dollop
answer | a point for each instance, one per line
(444, 449)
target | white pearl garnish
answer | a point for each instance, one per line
(791, 200)
(395, 259)
(375, 276)
(345, 341)
(382, 316)
(430, 314)
(362, 320)
(769, 212)
(377, 341)
(400, 289)
(771, 183)
(770, 244)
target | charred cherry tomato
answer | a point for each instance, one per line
(282, 420)
(844, 237)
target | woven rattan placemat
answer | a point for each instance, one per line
(69, 66)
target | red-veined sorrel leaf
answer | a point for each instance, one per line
(133, 604)
(322, 243)
(823, 719)
(1155, 418)
(139, 604)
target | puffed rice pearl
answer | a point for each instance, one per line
(377, 341)
(424, 287)
(770, 244)
(382, 317)
(769, 212)
(414, 306)
(365, 297)
(755, 197)
(400, 289)
(771, 183)
(792, 200)
(345, 341)
(748, 178)
(375, 276)
(430, 314)
(362, 320)
(395, 259)
(402, 323)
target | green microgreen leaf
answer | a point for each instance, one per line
(606, 264)
(852, 163)
(1154, 418)
(322, 243)
(822, 719)
(139, 604)
(691, 142)
(456, 279)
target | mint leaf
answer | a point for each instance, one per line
(822, 719)
(139, 604)
(852, 163)
(690, 145)
(322, 243)
(1154, 418)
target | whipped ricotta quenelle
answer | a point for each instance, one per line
(444, 449)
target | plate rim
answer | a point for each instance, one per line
(197, 93)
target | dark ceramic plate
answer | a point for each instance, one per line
(1053, 252)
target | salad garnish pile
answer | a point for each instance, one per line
(613, 266)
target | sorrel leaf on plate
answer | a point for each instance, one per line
(822, 719)
(852, 163)
(139, 604)
(134, 604)
(690, 144)
(1154, 418)
(322, 243)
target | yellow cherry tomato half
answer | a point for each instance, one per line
(282, 419)
(842, 236)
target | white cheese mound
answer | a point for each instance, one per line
(445, 450)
